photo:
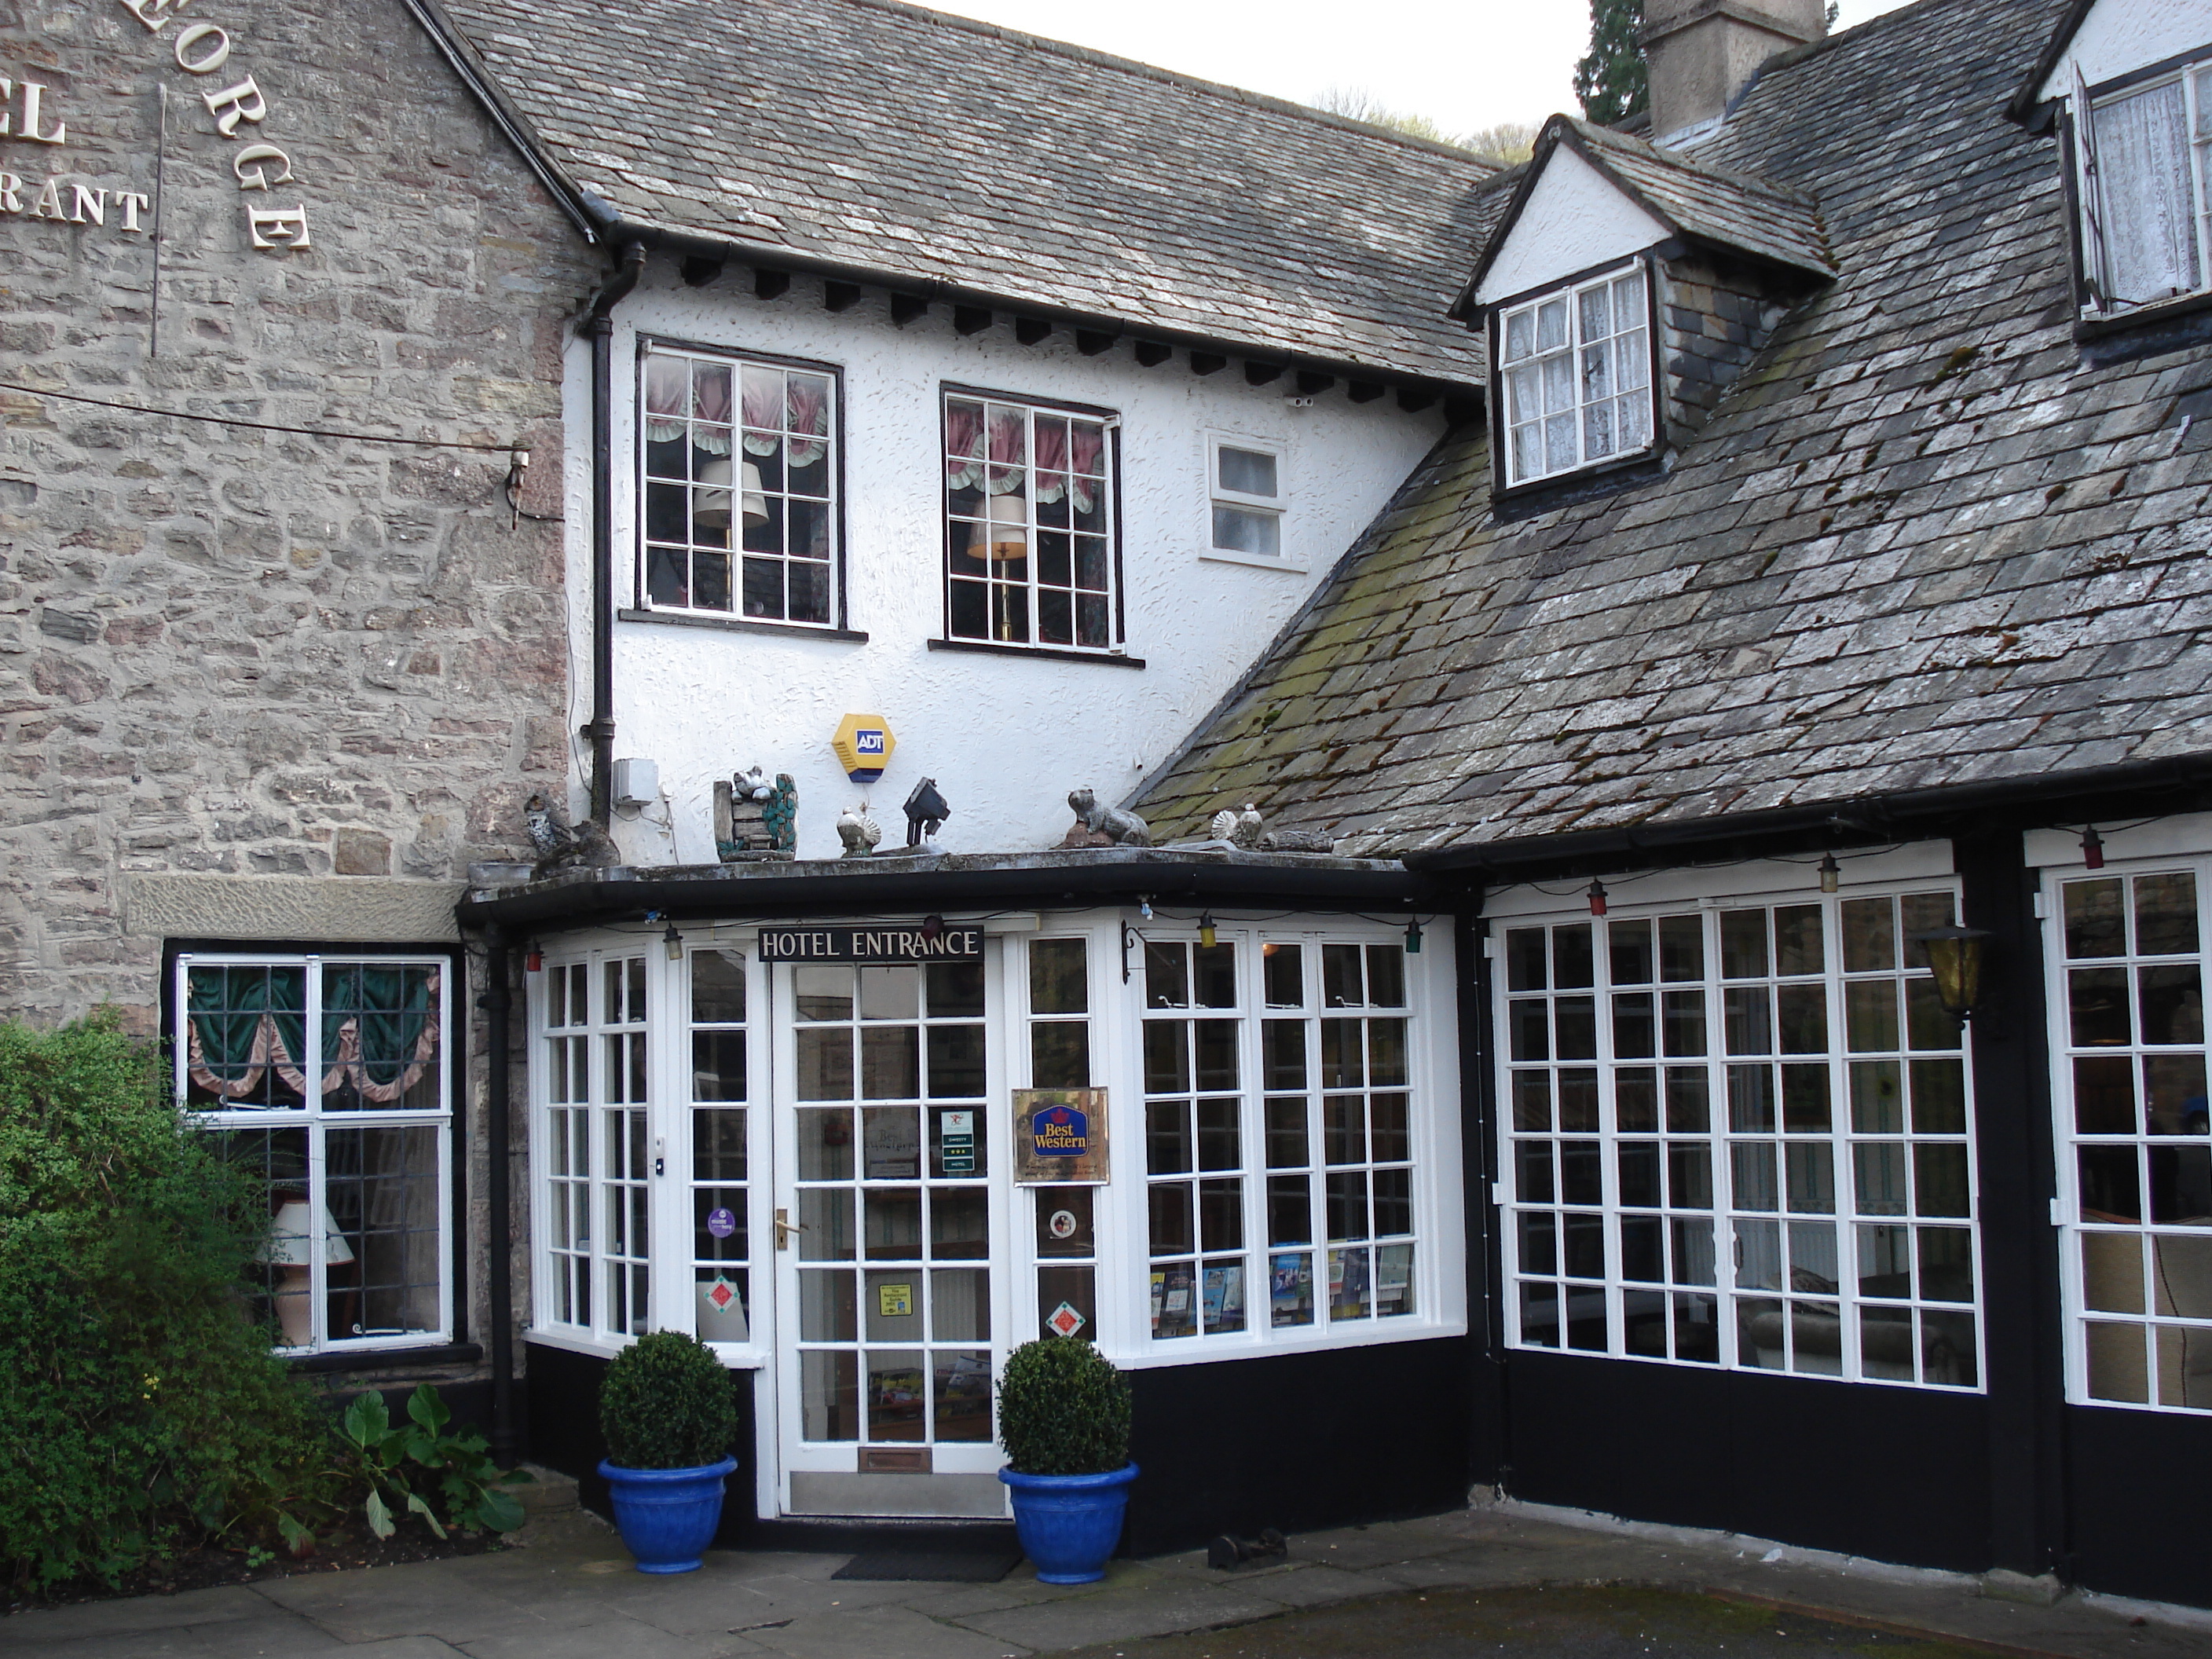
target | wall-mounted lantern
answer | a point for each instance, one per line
(1955, 954)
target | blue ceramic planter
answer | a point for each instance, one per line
(667, 1517)
(1070, 1523)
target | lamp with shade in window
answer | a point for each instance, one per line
(291, 1242)
(714, 508)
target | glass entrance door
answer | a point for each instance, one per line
(885, 1213)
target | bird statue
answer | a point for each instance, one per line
(925, 813)
(752, 786)
(1247, 834)
(858, 831)
(587, 846)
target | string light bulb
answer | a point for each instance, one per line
(1144, 906)
(672, 942)
(1597, 897)
(2092, 848)
(1413, 936)
(1207, 937)
(533, 959)
(1831, 874)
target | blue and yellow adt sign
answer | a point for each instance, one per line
(863, 745)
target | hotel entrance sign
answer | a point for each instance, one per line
(873, 941)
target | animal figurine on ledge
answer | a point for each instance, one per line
(1104, 826)
(754, 821)
(1297, 840)
(585, 847)
(1240, 830)
(925, 813)
(858, 831)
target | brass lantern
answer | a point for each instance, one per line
(1955, 955)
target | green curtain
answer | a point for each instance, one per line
(395, 1007)
(243, 1017)
(228, 1005)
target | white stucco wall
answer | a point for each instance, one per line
(2121, 35)
(1005, 739)
(1575, 219)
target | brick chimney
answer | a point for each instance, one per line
(1702, 53)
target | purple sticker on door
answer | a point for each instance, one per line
(721, 1223)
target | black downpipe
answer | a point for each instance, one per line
(599, 324)
(498, 1003)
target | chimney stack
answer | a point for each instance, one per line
(1702, 53)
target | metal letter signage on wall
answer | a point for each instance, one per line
(883, 941)
(1060, 1137)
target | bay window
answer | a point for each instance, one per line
(1030, 550)
(327, 1077)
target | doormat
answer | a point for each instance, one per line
(932, 1566)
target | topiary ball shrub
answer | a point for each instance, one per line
(667, 1403)
(1063, 1409)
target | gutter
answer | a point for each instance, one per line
(1860, 818)
(599, 324)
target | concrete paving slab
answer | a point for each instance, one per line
(280, 1635)
(1356, 1547)
(1018, 1589)
(421, 1599)
(1120, 1614)
(1297, 1586)
(875, 1633)
(34, 1632)
(610, 1638)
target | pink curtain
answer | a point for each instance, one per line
(963, 443)
(667, 397)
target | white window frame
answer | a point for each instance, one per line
(2074, 1227)
(2194, 76)
(1636, 902)
(1504, 317)
(732, 494)
(1275, 508)
(317, 1122)
(670, 1260)
(1125, 1257)
(1033, 524)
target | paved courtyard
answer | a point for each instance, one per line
(1502, 1579)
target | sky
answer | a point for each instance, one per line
(1464, 64)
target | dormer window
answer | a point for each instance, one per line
(1576, 366)
(2142, 153)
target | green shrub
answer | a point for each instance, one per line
(1063, 1409)
(143, 1408)
(666, 1403)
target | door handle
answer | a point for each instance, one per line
(785, 1226)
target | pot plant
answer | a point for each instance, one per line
(1064, 1425)
(670, 1416)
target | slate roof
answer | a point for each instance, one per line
(930, 148)
(1691, 197)
(1924, 540)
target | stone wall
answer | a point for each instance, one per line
(229, 651)
(252, 681)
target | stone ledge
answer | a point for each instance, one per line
(364, 909)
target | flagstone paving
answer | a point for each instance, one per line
(1505, 1578)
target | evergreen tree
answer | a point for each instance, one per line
(1610, 81)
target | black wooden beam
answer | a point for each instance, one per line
(1260, 373)
(905, 307)
(771, 284)
(970, 320)
(1312, 382)
(1207, 362)
(1031, 329)
(1091, 342)
(1459, 410)
(1414, 402)
(700, 269)
(1152, 353)
(1364, 391)
(840, 296)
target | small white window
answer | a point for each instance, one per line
(1577, 368)
(2142, 154)
(1248, 499)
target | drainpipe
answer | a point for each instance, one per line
(497, 1003)
(599, 324)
